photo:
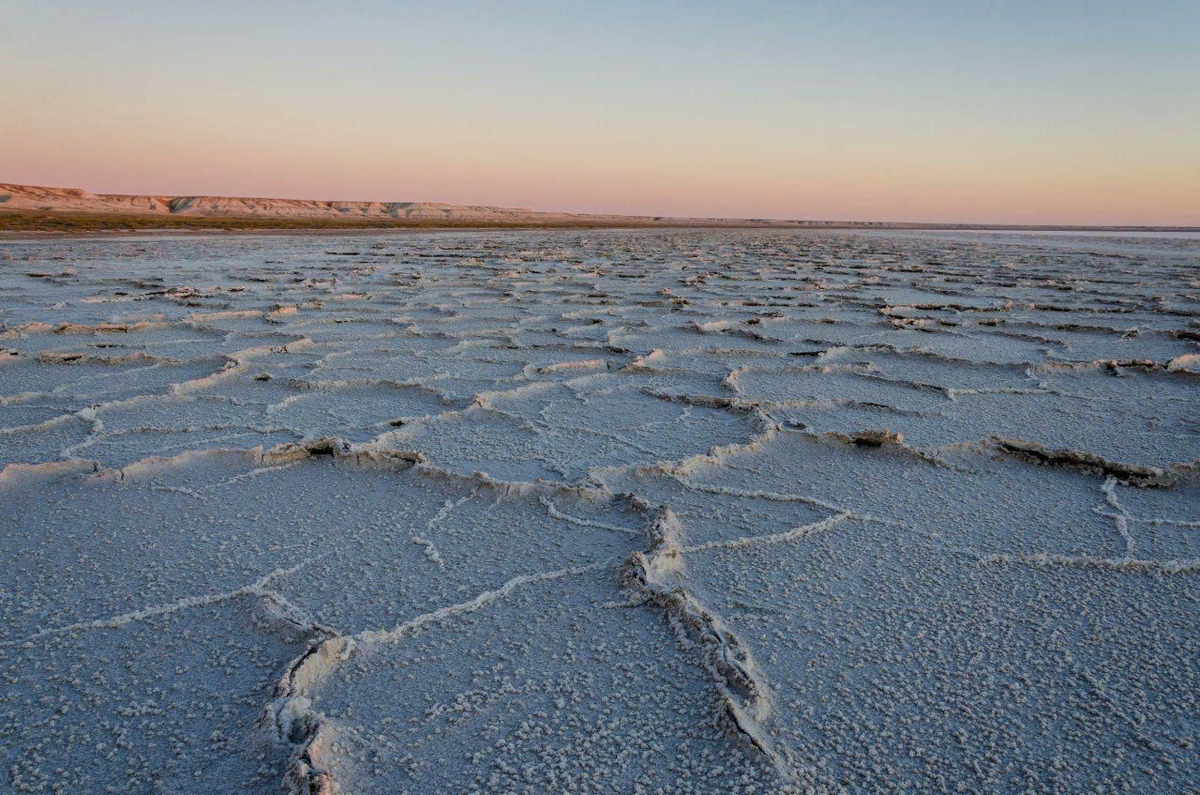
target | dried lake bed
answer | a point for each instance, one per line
(608, 511)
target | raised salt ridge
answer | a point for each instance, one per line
(607, 511)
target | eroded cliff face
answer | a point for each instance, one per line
(688, 511)
(36, 198)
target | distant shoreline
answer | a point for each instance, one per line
(56, 223)
(36, 209)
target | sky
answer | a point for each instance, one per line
(1015, 112)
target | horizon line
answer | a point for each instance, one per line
(513, 216)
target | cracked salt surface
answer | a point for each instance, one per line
(646, 511)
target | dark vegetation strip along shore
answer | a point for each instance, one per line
(68, 222)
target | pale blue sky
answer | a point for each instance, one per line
(981, 111)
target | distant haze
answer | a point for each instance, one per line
(1088, 113)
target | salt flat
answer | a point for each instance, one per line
(611, 511)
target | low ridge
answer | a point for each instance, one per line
(24, 207)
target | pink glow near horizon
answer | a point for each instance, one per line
(846, 188)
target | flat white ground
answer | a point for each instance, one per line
(608, 511)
